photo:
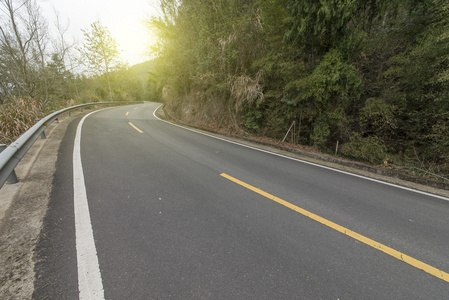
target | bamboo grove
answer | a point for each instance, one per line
(370, 75)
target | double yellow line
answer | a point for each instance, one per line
(390, 251)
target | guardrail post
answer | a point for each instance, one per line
(42, 135)
(12, 177)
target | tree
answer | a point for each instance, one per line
(23, 39)
(205, 51)
(100, 52)
(62, 65)
(369, 75)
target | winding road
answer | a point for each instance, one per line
(144, 209)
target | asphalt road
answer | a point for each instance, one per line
(168, 222)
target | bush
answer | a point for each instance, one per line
(370, 149)
(319, 134)
(252, 120)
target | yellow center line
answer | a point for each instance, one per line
(127, 113)
(390, 251)
(135, 127)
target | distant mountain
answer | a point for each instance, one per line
(141, 70)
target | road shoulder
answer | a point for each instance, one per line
(23, 209)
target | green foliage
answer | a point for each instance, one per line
(370, 149)
(326, 96)
(319, 23)
(320, 26)
(370, 74)
(379, 117)
(420, 84)
(252, 119)
(320, 133)
(99, 50)
(333, 80)
(206, 50)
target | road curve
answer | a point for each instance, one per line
(169, 221)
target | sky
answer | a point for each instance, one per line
(124, 20)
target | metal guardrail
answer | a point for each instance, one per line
(11, 156)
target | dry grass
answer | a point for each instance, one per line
(245, 90)
(17, 117)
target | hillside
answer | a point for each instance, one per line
(368, 80)
(141, 70)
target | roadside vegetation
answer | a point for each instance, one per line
(363, 79)
(42, 71)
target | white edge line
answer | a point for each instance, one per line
(306, 162)
(89, 277)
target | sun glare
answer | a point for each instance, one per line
(124, 22)
(133, 48)
(132, 39)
